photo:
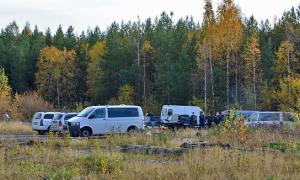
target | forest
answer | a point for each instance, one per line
(225, 61)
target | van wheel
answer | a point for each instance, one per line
(132, 129)
(86, 132)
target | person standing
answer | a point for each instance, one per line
(5, 116)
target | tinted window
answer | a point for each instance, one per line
(99, 113)
(69, 116)
(48, 116)
(269, 117)
(123, 112)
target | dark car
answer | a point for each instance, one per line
(153, 121)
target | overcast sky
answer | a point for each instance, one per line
(89, 13)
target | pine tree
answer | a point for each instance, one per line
(58, 39)
(48, 39)
(70, 39)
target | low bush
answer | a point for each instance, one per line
(64, 174)
(101, 162)
(24, 106)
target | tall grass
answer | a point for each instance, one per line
(15, 127)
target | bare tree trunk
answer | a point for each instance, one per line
(254, 79)
(289, 71)
(236, 79)
(227, 79)
(212, 78)
(57, 90)
(205, 85)
(144, 79)
(289, 75)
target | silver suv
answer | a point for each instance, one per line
(59, 122)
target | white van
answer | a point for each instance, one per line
(168, 112)
(96, 120)
(270, 119)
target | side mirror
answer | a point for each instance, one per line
(92, 116)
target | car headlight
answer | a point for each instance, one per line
(75, 123)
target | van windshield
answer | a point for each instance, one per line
(85, 112)
(164, 112)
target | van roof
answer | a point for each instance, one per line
(117, 106)
(180, 106)
(269, 112)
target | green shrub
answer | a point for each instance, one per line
(213, 132)
(101, 162)
(164, 136)
(64, 174)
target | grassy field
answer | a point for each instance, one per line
(262, 153)
(15, 127)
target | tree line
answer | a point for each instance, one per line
(226, 61)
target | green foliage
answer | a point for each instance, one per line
(164, 136)
(64, 174)
(101, 162)
(79, 107)
(162, 60)
(4, 92)
(55, 77)
(125, 95)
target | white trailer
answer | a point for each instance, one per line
(170, 112)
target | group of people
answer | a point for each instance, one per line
(207, 121)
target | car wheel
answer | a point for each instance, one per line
(132, 129)
(86, 132)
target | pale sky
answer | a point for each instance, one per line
(89, 13)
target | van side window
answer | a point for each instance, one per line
(123, 112)
(99, 113)
(48, 116)
(269, 117)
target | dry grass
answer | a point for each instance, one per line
(36, 162)
(97, 159)
(15, 127)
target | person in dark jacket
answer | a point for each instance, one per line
(193, 120)
(202, 120)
